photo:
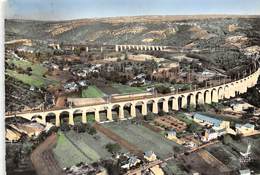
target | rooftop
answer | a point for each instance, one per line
(214, 121)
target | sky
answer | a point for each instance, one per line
(78, 9)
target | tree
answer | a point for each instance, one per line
(227, 139)
(176, 149)
(163, 89)
(202, 107)
(65, 127)
(80, 128)
(192, 108)
(92, 131)
(161, 113)
(113, 147)
(53, 129)
(149, 117)
(192, 127)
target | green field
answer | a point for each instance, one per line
(125, 89)
(35, 79)
(143, 138)
(37, 69)
(30, 80)
(92, 92)
(74, 148)
(176, 86)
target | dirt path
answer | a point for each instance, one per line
(43, 159)
(121, 141)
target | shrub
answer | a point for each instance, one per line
(163, 89)
(80, 128)
(65, 127)
(113, 147)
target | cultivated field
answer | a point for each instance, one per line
(143, 138)
(73, 148)
(125, 89)
(204, 162)
(225, 154)
(92, 92)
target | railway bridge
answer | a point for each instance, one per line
(139, 47)
(116, 110)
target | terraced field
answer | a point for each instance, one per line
(143, 138)
(80, 147)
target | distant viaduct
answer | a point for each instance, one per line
(117, 48)
(117, 110)
(131, 47)
(139, 47)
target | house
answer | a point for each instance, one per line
(245, 129)
(211, 134)
(131, 162)
(239, 105)
(150, 156)
(190, 144)
(54, 66)
(25, 49)
(140, 76)
(83, 83)
(244, 172)
(32, 88)
(204, 119)
(70, 87)
(30, 129)
(12, 135)
(171, 135)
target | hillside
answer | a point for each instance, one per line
(198, 31)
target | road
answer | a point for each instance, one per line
(43, 159)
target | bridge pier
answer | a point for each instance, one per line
(57, 122)
(183, 103)
(243, 88)
(214, 97)
(192, 100)
(155, 108)
(226, 94)
(175, 105)
(207, 97)
(44, 120)
(84, 117)
(200, 99)
(97, 116)
(144, 109)
(133, 111)
(109, 114)
(71, 121)
(165, 106)
(121, 112)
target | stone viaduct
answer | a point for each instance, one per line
(139, 47)
(116, 110)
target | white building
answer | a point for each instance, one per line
(245, 129)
